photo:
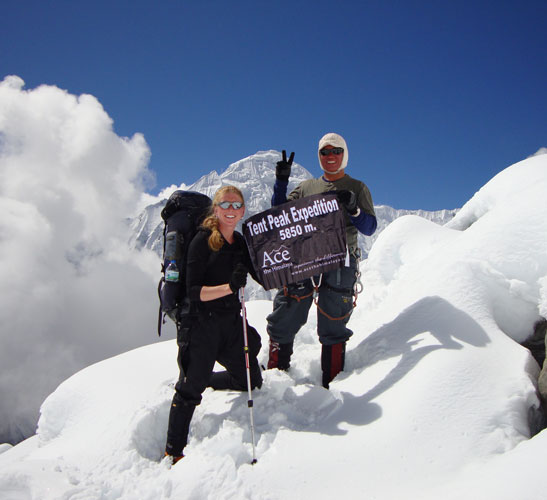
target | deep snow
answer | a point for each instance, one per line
(433, 404)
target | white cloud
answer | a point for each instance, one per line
(71, 294)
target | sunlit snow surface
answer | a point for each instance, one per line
(433, 403)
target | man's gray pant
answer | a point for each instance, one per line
(335, 299)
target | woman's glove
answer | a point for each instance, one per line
(239, 278)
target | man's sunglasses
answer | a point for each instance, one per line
(225, 205)
(334, 151)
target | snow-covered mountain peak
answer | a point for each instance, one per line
(255, 176)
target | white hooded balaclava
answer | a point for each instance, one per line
(337, 141)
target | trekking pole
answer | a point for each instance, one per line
(246, 350)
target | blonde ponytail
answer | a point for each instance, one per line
(215, 238)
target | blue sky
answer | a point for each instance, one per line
(433, 97)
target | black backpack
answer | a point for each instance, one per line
(182, 214)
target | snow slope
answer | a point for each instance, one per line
(433, 404)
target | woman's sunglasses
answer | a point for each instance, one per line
(225, 205)
(334, 151)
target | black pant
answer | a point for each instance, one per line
(213, 337)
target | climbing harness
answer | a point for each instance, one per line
(357, 289)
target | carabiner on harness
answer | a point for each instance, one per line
(316, 287)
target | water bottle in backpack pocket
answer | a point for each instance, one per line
(174, 276)
(172, 272)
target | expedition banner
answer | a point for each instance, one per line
(297, 240)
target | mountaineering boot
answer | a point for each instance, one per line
(332, 361)
(280, 355)
(174, 459)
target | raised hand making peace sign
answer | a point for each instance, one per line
(283, 167)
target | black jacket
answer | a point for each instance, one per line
(208, 268)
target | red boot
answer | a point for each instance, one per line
(280, 355)
(332, 361)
